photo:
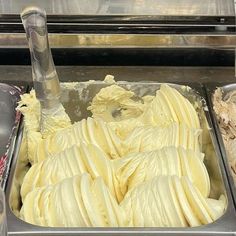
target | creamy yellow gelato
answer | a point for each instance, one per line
(164, 201)
(120, 175)
(167, 109)
(77, 201)
(142, 167)
(101, 134)
(54, 119)
(170, 201)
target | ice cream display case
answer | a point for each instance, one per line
(137, 156)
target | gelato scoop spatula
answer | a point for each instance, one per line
(45, 78)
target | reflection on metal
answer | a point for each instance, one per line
(124, 7)
(122, 40)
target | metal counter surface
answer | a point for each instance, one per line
(212, 40)
(19, 74)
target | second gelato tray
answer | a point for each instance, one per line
(222, 100)
(135, 158)
(9, 122)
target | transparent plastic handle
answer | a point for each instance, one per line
(46, 82)
(3, 220)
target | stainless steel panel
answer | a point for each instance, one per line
(9, 121)
(124, 7)
(224, 225)
(218, 40)
(169, 74)
(210, 90)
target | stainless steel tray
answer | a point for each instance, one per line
(210, 88)
(84, 92)
(9, 121)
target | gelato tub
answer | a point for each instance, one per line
(222, 102)
(76, 97)
(9, 122)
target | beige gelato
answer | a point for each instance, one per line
(225, 109)
(143, 167)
